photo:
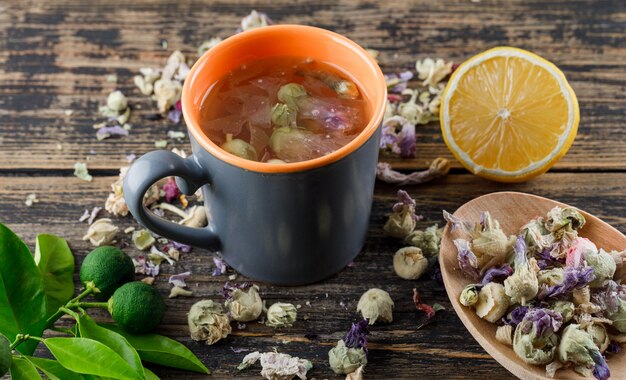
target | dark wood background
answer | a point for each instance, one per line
(55, 55)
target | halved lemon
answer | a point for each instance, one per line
(508, 114)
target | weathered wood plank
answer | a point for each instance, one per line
(441, 347)
(55, 56)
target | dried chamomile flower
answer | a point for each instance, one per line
(350, 353)
(101, 232)
(281, 314)
(239, 148)
(80, 171)
(167, 92)
(427, 240)
(196, 217)
(535, 340)
(208, 44)
(143, 239)
(403, 219)
(620, 265)
(567, 309)
(254, 20)
(432, 71)
(522, 286)
(276, 366)
(208, 322)
(243, 301)
(469, 295)
(376, 305)
(564, 222)
(504, 334)
(410, 263)
(577, 347)
(603, 266)
(492, 302)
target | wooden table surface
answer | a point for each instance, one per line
(55, 55)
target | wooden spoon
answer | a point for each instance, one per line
(513, 210)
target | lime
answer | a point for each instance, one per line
(108, 268)
(137, 307)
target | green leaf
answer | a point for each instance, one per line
(150, 375)
(53, 369)
(90, 329)
(90, 357)
(22, 369)
(162, 350)
(5, 355)
(23, 308)
(56, 263)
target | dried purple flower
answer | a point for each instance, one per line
(544, 320)
(406, 140)
(573, 278)
(175, 113)
(398, 136)
(184, 248)
(467, 259)
(108, 131)
(144, 266)
(546, 260)
(404, 200)
(389, 139)
(456, 222)
(497, 274)
(220, 266)
(614, 348)
(610, 297)
(171, 190)
(179, 279)
(398, 82)
(438, 168)
(130, 158)
(600, 369)
(229, 288)
(516, 316)
(239, 350)
(355, 338)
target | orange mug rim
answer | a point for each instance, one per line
(193, 125)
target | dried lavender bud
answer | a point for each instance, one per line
(243, 301)
(143, 239)
(376, 305)
(281, 315)
(522, 286)
(427, 240)
(577, 347)
(239, 148)
(276, 366)
(492, 302)
(409, 263)
(207, 322)
(504, 334)
(101, 232)
(469, 295)
(438, 168)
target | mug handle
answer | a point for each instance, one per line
(157, 165)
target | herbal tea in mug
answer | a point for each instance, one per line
(283, 109)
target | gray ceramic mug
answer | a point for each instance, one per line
(286, 224)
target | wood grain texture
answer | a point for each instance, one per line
(440, 347)
(55, 56)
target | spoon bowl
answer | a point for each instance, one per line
(513, 210)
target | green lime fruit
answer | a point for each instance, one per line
(5, 355)
(108, 268)
(137, 307)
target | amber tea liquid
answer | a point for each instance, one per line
(283, 109)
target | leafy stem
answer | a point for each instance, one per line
(90, 288)
(21, 338)
(103, 305)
